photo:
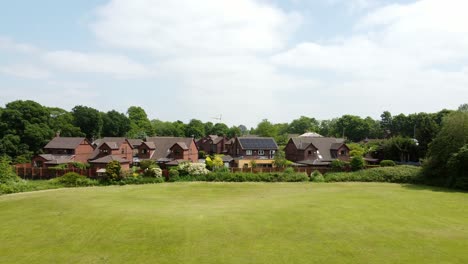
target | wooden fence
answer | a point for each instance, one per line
(31, 173)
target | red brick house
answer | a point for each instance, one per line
(212, 144)
(117, 147)
(63, 150)
(168, 149)
(258, 150)
(316, 151)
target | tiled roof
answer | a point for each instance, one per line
(322, 144)
(64, 143)
(164, 144)
(57, 159)
(110, 158)
(264, 143)
(135, 142)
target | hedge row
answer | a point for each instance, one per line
(398, 174)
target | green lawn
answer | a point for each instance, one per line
(236, 223)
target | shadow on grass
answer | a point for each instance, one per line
(418, 187)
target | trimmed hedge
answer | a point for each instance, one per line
(247, 177)
(398, 174)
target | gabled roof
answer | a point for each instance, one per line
(65, 142)
(135, 142)
(264, 143)
(109, 158)
(112, 145)
(57, 159)
(118, 140)
(182, 145)
(322, 144)
(150, 145)
(164, 144)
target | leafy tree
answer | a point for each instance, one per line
(328, 128)
(386, 123)
(280, 160)
(219, 129)
(140, 125)
(303, 124)
(209, 128)
(353, 127)
(458, 168)
(451, 138)
(195, 128)
(266, 129)
(243, 129)
(36, 136)
(115, 124)
(217, 162)
(89, 120)
(234, 131)
(400, 148)
(61, 121)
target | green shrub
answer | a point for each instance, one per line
(387, 163)
(357, 163)
(145, 164)
(113, 169)
(14, 187)
(73, 179)
(316, 176)
(288, 170)
(7, 173)
(397, 174)
(174, 175)
(338, 165)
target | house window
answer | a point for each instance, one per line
(261, 152)
(272, 152)
(310, 152)
(343, 152)
(123, 151)
(248, 152)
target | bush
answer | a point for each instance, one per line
(316, 176)
(153, 172)
(16, 187)
(357, 163)
(338, 165)
(7, 173)
(174, 175)
(397, 174)
(146, 164)
(254, 177)
(113, 171)
(387, 163)
(73, 179)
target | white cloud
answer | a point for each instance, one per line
(10, 45)
(117, 65)
(181, 27)
(26, 71)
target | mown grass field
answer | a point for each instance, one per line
(236, 223)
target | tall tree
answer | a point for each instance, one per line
(195, 128)
(89, 120)
(115, 124)
(61, 121)
(303, 124)
(451, 138)
(266, 129)
(140, 125)
(219, 129)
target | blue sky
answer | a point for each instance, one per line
(246, 60)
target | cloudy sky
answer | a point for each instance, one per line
(245, 59)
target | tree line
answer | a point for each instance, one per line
(26, 126)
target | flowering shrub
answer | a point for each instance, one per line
(155, 172)
(196, 169)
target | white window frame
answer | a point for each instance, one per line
(261, 152)
(248, 152)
